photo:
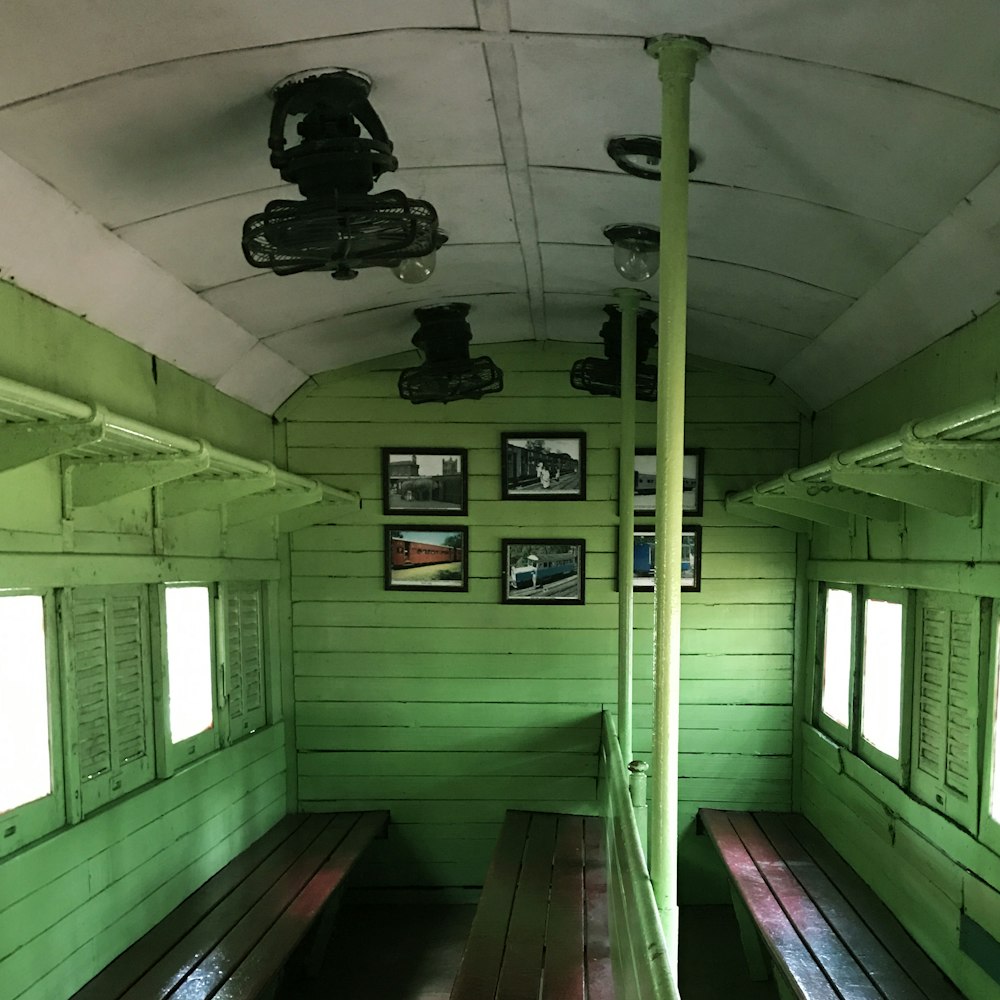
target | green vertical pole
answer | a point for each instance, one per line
(628, 302)
(676, 56)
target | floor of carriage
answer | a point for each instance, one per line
(411, 952)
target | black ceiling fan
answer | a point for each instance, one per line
(447, 373)
(603, 376)
(340, 226)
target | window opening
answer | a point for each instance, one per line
(995, 730)
(189, 660)
(836, 694)
(25, 760)
(882, 676)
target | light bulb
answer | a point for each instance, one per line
(413, 270)
(636, 260)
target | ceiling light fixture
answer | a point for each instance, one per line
(637, 249)
(639, 155)
(413, 270)
(603, 376)
(447, 373)
(340, 227)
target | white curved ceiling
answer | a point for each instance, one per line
(843, 215)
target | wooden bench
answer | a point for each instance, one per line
(541, 926)
(825, 930)
(233, 936)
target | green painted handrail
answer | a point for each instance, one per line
(651, 947)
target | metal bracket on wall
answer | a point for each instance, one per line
(28, 441)
(772, 518)
(978, 460)
(915, 485)
(213, 493)
(840, 498)
(91, 481)
(802, 507)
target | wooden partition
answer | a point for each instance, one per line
(639, 947)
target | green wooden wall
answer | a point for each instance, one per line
(449, 708)
(925, 867)
(71, 902)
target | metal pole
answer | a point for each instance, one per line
(628, 301)
(676, 56)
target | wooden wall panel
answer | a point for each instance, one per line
(70, 902)
(450, 708)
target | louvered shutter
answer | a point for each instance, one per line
(108, 653)
(945, 738)
(244, 657)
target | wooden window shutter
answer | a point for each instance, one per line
(950, 642)
(107, 646)
(244, 657)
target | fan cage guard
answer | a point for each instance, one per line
(340, 233)
(449, 381)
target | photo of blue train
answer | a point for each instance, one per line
(543, 572)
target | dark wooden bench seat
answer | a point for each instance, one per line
(541, 926)
(232, 937)
(827, 934)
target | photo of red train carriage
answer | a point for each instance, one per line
(407, 552)
(421, 558)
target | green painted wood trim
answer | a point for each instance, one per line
(32, 570)
(799, 505)
(979, 579)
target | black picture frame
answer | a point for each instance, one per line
(644, 485)
(543, 465)
(643, 556)
(424, 557)
(426, 481)
(543, 571)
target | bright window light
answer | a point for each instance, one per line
(995, 790)
(836, 698)
(189, 661)
(25, 764)
(882, 676)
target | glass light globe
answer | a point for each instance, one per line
(636, 260)
(413, 270)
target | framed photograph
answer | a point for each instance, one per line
(543, 571)
(544, 466)
(644, 493)
(425, 481)
(644, 558)
(418, 557)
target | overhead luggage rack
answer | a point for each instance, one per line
(938, 464)
(106, 455)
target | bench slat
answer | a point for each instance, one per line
(122, 973)
(874, 912)
(805, 977)
(185, 955)
(600, 978)
(890, 976)
(281, 939)
(480, 966)
(838, 963)
(565, 942)
(244, 934)
(521, 970)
